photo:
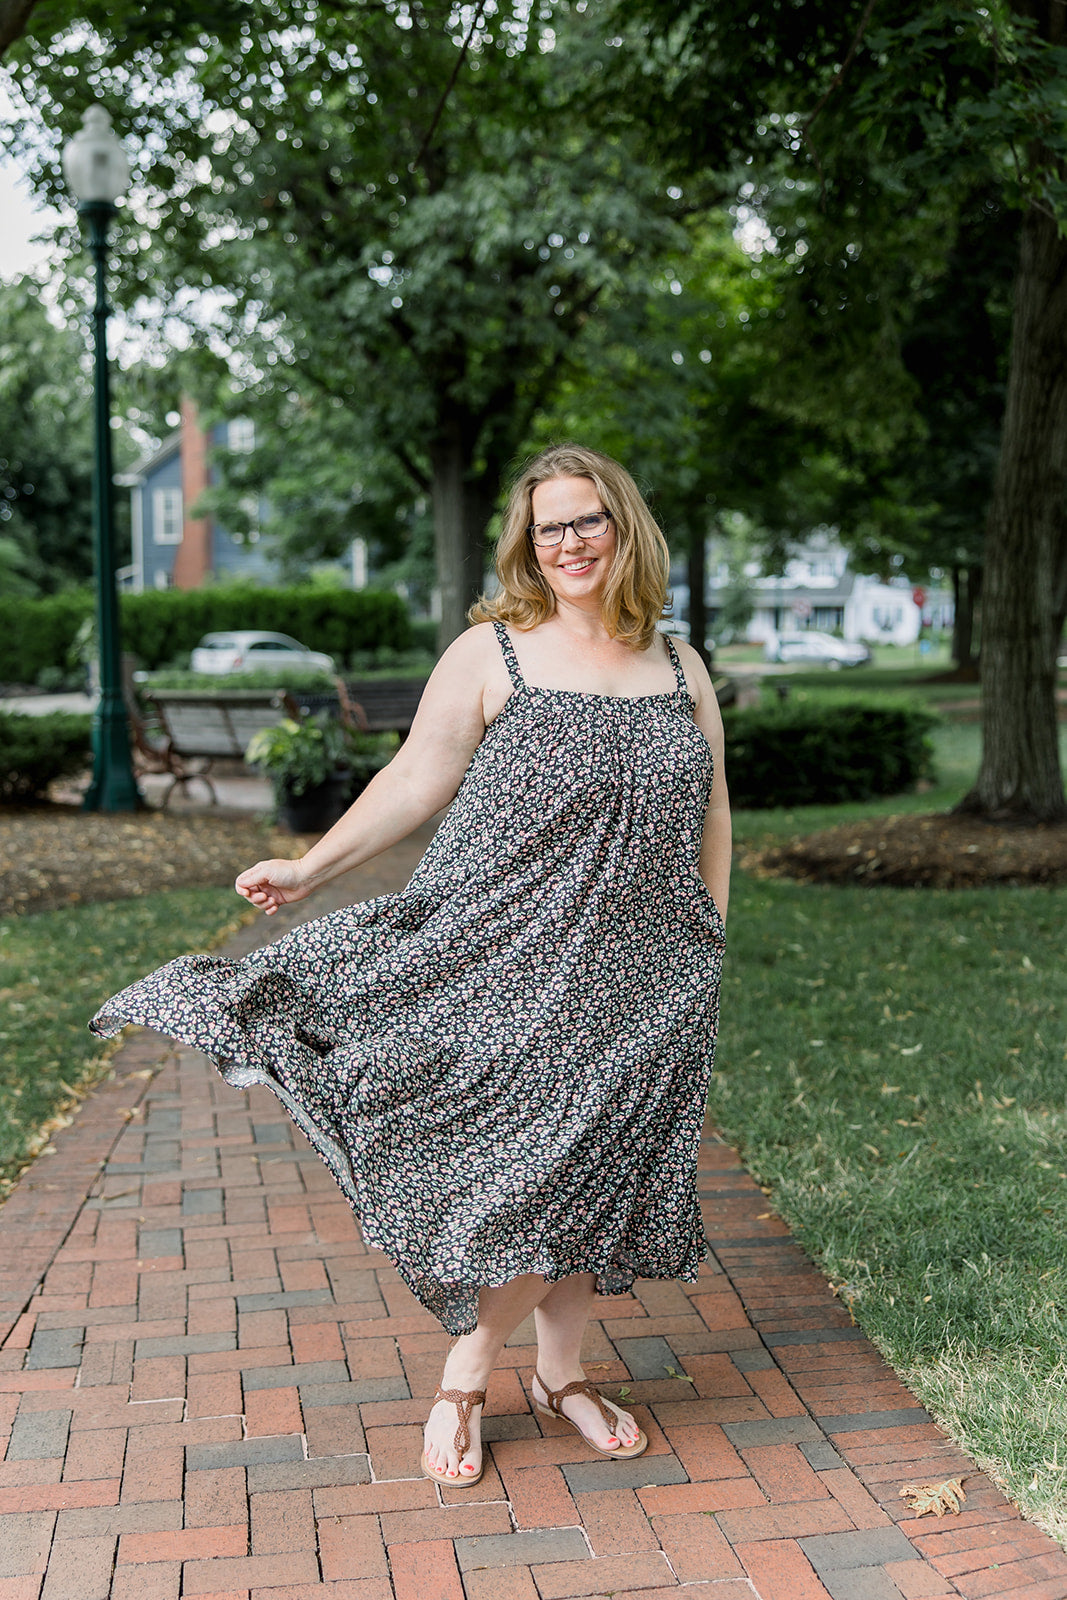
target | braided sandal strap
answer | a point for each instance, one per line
(556, 1398)
(464, 1401)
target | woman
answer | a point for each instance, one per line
(505, 1066)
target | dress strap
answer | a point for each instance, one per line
(511, 661)
(683, 687)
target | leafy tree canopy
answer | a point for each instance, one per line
(388, 211)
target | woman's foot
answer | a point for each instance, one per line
(586, 1416)
(445, 1429)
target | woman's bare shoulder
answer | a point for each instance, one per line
(477, 645)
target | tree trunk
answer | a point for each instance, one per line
(459, 518)
(14, 20)
(1019, 778)
(698, 611)
(966, 587)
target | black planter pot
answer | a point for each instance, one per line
(319, 808)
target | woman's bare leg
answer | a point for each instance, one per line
(561, 1317)
(470, 1361)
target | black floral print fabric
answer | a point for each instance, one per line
(505, 1065)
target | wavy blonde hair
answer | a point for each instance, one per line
(636, 592)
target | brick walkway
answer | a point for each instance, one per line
(210, 1387)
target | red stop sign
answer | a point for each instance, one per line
(919, 596)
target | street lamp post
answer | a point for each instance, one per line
(98, 174)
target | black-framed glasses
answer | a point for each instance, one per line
(592, 526)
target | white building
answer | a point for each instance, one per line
(817, 590)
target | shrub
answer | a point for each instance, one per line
(160, 625)
(298, 680)
(821, 753)
(34, 751)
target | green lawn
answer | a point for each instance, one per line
(892, 1067)
(58, 967)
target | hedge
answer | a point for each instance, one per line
(161, 624)
(34, 751)
(798, 754)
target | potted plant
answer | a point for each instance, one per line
(317, 767)
(310, 769)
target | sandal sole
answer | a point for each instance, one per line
(466, 1482)
(623, 1453)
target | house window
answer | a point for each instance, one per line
(241, 436)
(167, 516)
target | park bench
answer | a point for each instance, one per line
(202, 726)
(381, 705)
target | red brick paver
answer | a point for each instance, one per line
(210, 1387)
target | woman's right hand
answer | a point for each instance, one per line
(270, 884)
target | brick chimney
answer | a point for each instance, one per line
(193, 558)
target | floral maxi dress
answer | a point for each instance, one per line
(505, 1065)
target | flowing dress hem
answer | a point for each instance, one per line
(453, 1303)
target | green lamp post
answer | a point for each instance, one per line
(98, 174)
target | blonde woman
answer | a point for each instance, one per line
(505, 1065)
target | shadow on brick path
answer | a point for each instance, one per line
(210, 1387)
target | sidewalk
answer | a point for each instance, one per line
(212, 1388)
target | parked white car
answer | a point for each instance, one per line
(256, 652)
(815, 647)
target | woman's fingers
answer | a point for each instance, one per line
(269, 884)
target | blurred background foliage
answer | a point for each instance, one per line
(769, 257)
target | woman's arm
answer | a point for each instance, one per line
(420, 780)
(715, 848)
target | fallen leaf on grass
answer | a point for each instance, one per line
(934, 1499)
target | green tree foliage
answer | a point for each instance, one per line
(890, 134)
(45, 448)
(678, 387)
(411, 219)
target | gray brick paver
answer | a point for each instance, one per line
(522, 1549)
(864, 1420)
(312, 1373)
(59, 1347)
(39, 1435)
(585, 1477)
(244, 1452)
(860, 1583)
(867, 1547)
(773, 1430)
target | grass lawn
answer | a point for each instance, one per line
(58, 967)
(892, 1068)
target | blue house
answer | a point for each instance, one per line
(171, 548)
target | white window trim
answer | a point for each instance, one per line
(167, 513)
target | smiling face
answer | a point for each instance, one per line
(577, 570)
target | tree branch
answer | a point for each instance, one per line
(14, 18)
(835, 83)
(449, 86)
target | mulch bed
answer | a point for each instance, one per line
(53, 856)
(939, 851)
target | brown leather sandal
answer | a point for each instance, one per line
(464, 1401)
(556, 1397)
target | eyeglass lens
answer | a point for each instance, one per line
(592, 526)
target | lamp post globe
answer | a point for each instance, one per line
(98, 174)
